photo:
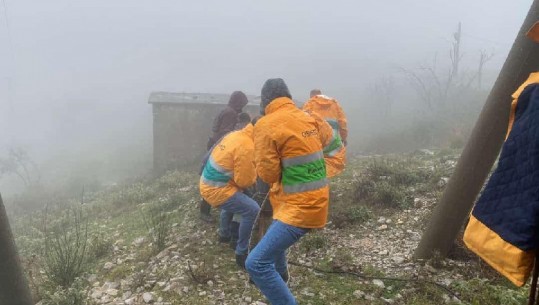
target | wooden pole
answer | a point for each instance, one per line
(13, 286)
(483, 146)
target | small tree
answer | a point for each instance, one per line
(484, 57)
(18, 163)
(382, 94)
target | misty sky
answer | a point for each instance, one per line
(84, 57)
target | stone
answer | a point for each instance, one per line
(443, 182)
(378, 283)
(138, 241)
(427, 152)
(108, 265)
(147, 297)
(359, 294)
(398, 259)
(130, 301)
(112, 292)
(127, 295)
(96, 294)
(163, 254)
(382, 227)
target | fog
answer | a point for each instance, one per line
(75, 76)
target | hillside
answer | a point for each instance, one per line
(143, 243)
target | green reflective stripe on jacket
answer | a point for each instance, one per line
(305, 187)
(335, 144)
(304, 173)
(215, 173)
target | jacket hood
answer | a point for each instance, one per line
(279, 103)
(238, 100)
(273, 88)
(323, 100)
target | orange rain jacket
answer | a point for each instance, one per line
(289, 156)
(230, 167)
(330, 110)
(508, 259)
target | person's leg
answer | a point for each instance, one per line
(235, 231)
(248, 209)
(281, 265)
(205, 209)
(225, 226)
(261, 262)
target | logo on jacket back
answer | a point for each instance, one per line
(309, 133)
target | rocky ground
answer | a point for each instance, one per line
(377, 243)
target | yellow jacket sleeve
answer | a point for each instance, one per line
(343, 124)
(267, 161)
(307, 107)
(325, 131)
(244, 165)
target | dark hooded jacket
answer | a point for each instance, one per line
(228, 117)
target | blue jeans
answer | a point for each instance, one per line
(241, 204)
(268, 260)
(228, 226)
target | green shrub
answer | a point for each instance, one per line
(73, 295)
(100, 246)
(389, 195)
(158, 223)
(401, 173)
(344, 214)
(66, 249)
(482, 292)
(313, 241)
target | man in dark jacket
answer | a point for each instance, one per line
(227, 119)
(223, 124)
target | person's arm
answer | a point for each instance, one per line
(307, 107)
(244, 165)
(343, 124)
(268, 163)
(216, 123)
(325, 131)
(228, 121)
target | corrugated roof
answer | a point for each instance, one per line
(202, 98)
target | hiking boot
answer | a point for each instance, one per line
(240, 260)
(206, 218)
(223, 239)
(233, 243)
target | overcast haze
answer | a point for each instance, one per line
(82, 70)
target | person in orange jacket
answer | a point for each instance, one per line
(223, 123)
(288, 156)
(228, 171)
(329, 109)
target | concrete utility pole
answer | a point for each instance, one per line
(13, 286)
(483, 147)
